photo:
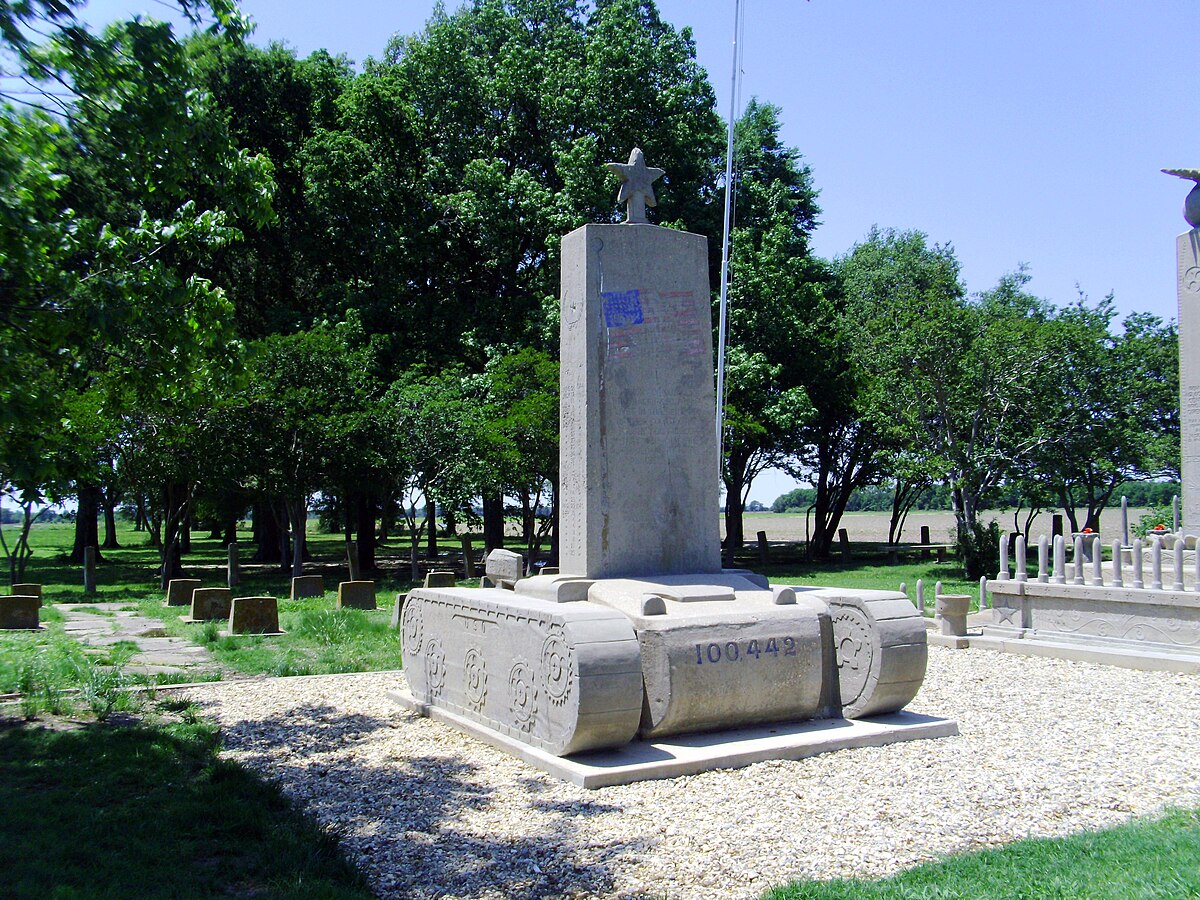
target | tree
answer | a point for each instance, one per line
(101, 234)
(1113, 404)
(518, 436)
(778, 301)
(955, 379)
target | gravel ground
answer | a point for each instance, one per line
(1047, 747)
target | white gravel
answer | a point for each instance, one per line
(1047, 747)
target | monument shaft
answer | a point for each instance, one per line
(1187, 251)
(638, 454)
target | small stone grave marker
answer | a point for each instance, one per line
(254, 615)
(19, 612)
(179, 591)
(307, 586)
(439, 579)
(211, 603)
(356, 595)
(504, 568)
(28, 590)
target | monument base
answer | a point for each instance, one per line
(693, 753)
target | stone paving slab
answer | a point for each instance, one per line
(156, 654)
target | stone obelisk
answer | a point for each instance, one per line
(1187, 257)
(638, 454)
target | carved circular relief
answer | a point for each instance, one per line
(852, 641)
(1191, 280)
(435, 667)
(413, 628)
(475, 678)
(522, 695)
(557, 674)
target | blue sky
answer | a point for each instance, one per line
(1021, 132)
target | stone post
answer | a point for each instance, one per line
(1078, 579)
(1019, 560)
(921, 595)
(1097, 563)
(234, 570)
(89, 570)
(1178, 583)
(844, 538)
(1060, 563)
(1156, 565)
(764, 549)
(352, 561)
(983, 593)
(1056, 524)
(925, 540)
(1118, 581)
(1125, 521)
(1138, 582)
(1043, 575)
(468, 552)
(1004, 573)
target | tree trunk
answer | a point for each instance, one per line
(298, 519)
(493, 521)
(229, 535)
(110, 498)
(86, 532)
(431, 549)
(140, 520)
(365, 508)
(185, 533)
(735, 531)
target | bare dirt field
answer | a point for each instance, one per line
(872, 526)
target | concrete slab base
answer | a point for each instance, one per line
(1148, 660)
(689, 754)
(952, 641)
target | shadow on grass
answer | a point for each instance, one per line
(106, 811)
(425, 823)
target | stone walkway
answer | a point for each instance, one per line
(101, 625)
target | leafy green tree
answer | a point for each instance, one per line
(519, 436)
(780, 299)
(954, 379)
(101, 234)
(516, 105)
(1112, 401)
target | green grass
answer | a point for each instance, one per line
(879, 577)
(1150, 858)
(147, 812)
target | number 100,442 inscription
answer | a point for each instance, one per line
(733, 651)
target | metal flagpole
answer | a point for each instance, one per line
(723, 315)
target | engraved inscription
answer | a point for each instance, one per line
(734, 651)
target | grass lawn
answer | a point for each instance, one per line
(149, 810)
(879, 577)
(1152, 858)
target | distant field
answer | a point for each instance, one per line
(873, 526)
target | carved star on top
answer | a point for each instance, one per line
(637, 186)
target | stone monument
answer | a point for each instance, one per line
(641, 633)
(1187, 257)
